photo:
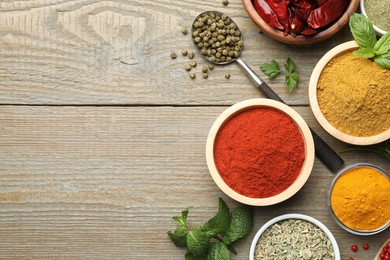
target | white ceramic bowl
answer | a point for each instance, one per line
(356, 140)
(341, 224)
(300, 124)
(378, 30)
(294, 216)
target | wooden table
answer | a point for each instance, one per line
(103, 136)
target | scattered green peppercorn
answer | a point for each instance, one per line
(193, 64)
(184, 52)
(191, 55)
(184, 31)
(173, 55)
(204, 69)
(227, 75)
(205, 75)
(192, 75)
(211, 66)
(188, 67)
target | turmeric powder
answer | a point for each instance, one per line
(360, 198)
(353, 94)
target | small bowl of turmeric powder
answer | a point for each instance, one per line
(359, 199)
(349, 96)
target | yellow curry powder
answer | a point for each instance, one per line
(360, 199)
(354, 95)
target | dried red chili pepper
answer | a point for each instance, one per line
(302, 14)
(326, 13)
(280, 9)
(321, 2)
(303, 4)
(296, 25)
(267, 14)
(308, 31)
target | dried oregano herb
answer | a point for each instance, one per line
(294, 239)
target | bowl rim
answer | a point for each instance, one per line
(299, 123)
(295, 216)
(315, 75)
(335, 218)
(379, 31)
(300, 39)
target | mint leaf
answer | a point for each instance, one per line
(190, 256)
(383, 60)
(220, 222)
(178, 237)
(292, 81)
(218, 251)
(367, 53)
(183, 218)
(290, 65)
(383, 45)
(241, 224)
(271, 69)
(362, 31)
(197, 242)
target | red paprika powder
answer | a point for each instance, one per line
(259, 152)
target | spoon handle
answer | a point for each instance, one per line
(323, 151)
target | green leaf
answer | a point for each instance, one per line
(290, 65)
(367, 53)
(220, 223)
(178, 237)
(362, 31)
(183, 218)
(190, 256)
(270, 69)
(241, 224)
(197, 242)
(292, 81)
(218, 251)
(383, 60)
(383, 45)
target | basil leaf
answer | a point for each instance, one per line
(178, 237)
(367, 53)
(362, 30)
(292, 81)
(220, 222)
(290, 65)
(271, 69)
(383, 60)
(183, 218)
(218, 251)
(197, 242)
(242, 222)
(383, 45)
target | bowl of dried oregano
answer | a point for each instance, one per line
(294, 236)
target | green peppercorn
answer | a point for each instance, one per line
(211, 66)
(191, 55)
(188, 67)
(204, 69)
(192, 75)
(227, 75)
(193, 64)
(184, 31)
(173, 55)
(205, 75)
(184, 52)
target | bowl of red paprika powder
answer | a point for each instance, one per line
(260, 152)
(300, 22)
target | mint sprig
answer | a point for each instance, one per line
(364, 34)
(213, 239)
(291, 75)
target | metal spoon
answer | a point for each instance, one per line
(322, 150)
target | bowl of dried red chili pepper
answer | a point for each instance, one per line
(260, 152)
(300, 22)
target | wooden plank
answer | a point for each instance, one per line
(117, 52)
(103, 182)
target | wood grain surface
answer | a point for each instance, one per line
(102, 135)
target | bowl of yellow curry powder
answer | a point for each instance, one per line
(359, 199)
(349, 96)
